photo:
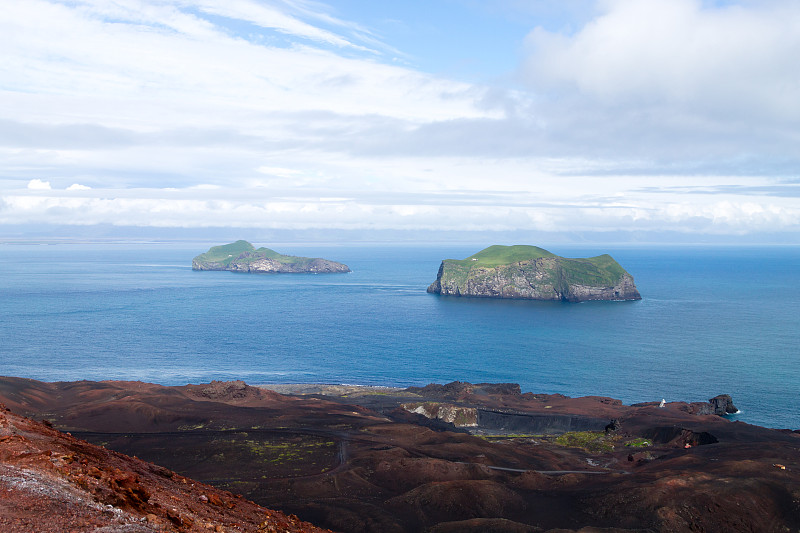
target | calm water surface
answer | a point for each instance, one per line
(713, 320)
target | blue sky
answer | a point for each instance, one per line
(623, 117)
(474, 41)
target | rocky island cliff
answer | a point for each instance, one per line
(532, 273)
(241, 256)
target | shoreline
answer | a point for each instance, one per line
(347, 391)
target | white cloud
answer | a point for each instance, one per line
(39, 185)
(266, 16)
(654, 114)
(733, 59)
(142, 76)
(674, 82)
(582, 204)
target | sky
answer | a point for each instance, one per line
(642, 119)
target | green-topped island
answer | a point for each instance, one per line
(241, 256)
(532, 273)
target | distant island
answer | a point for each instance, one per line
(241, 256)
(532, 273)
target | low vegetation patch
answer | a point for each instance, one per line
(639, 443)
(591, 441)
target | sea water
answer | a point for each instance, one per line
(712, 320)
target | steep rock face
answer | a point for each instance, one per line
(241, 256)
(457, 415)
(254, 264)
(548, 277)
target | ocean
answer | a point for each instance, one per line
(712, 320)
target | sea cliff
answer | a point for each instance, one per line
(532, 273)
(241, 256)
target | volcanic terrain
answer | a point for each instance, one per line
(442, 458)
(53, 482)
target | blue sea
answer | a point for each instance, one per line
(712, 320)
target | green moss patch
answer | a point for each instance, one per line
(591, 441)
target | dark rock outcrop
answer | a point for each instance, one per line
(457, 389)
(494, 420)
(720, 405)
(723, 405)
(224, 390)
(679, 436)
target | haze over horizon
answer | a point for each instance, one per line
(623, 120)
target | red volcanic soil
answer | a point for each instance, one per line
(362, 462)
(54, 482)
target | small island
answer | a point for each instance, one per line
(241, 256)
(532, 273)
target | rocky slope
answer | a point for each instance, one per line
(241, 256)
(528, 272)
(51, 482)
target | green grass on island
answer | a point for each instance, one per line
(602, 270)
(503, 255)
(226, 253)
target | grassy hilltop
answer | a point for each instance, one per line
(226, 253)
